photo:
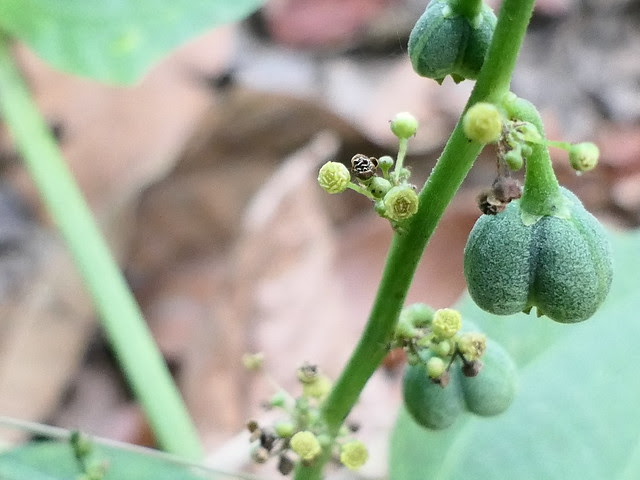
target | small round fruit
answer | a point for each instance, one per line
(492, 390)
(404, 125)
(429, 404)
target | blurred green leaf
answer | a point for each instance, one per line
(53, 460)
(113, 40)
(576, 414)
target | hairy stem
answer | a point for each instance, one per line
(406, 249)
(468, 8)
(541, 194)
(120, 315)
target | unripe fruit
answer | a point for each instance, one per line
(492, 390)
(483, 123)
(429, 404)
(444, 42)
(404, 125)
(561, 266)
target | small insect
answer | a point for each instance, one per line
(363, 167)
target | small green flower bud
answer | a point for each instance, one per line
(308, 373)
(404, 125)
(443, 348)
(353, 454)
(379, 187)
(446, 323)
(513, 159)
(472, 345)
(385, 163)
(306, 445)
(483, 123)
(284, 429)
(405, 330)
(418, 314)
(253, 361)
(436, 367)
(319, 388)
(584, 156)
(400, 203)
(334, 177)
(279, 399)
(530, 133)
(380, 208)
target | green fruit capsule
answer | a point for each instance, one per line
(446, 41)
(494, 388)
(429, 404)
(562, 266)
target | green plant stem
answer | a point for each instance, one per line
(403, 143)
(468, 8)
(120, 315)
(361, 190)
(406, 249)
(541, 194)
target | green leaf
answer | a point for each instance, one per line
(576, 414)
(113, 40)
(53, 460)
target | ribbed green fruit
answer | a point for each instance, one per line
(443, 42)
(429, 404)
(494, 388)
(561, 266)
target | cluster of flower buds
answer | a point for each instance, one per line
(383, 180)
(300, 435)
(434, 339)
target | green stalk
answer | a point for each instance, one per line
(120, 315)
(467, 8)
(541, 193)
(406, 249)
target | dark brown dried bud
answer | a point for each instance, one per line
(442, 380)
(285, 465)
(471, 369)
(506, 189)
(363, 167)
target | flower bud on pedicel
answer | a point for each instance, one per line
(379, 187)
(404, 125)
(483, 123)
(334, 177)
(353, 454)
(584, 156)
(400, 203)
(306, 445)
(446, 41)
(436, 367)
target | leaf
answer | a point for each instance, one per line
(575, 416)
(113, 40)
(52, 460)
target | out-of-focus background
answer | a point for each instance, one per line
(203, 179)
